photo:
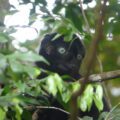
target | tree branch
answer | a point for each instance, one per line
(103, 76)
(92, 52)
(85, 18)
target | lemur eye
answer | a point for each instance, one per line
(61, 50)
(79, 57)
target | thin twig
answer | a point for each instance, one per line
(37, 108)
(85, 18)
(46, 107)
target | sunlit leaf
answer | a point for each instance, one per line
(58, 82)
(88, 95)
(82, 103)
(85, 101)
(52, 88)
(98, 97)
(18, 111)
(75, 86)
(2, 114)
(31, 71)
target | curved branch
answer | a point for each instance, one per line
(85, 18)
(92, 52)
(46, 107)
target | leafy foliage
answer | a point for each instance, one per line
(19, 86)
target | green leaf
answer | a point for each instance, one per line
(69, 37)
(85, 101)
(99, 91)
(88, 96)
(73, 13)
(67, 92)
(75, 86)
(18, 111)
(32, 71)
(65, 27)
(58, 7)
(30, 56)
(82, 103)
(2, 114)
(68, 89)
(16, 66)
(52, 88)
(103, 115)
(4, 38)
(27, 56)
(66, 96)
(21, 86)
(55, 84)
(27, 100)
(114, 113)
(58, 82)
(7, 100)
(98, 97)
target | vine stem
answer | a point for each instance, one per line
(85, 18)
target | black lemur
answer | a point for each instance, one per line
(65, 58)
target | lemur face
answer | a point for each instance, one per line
(64, 57)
